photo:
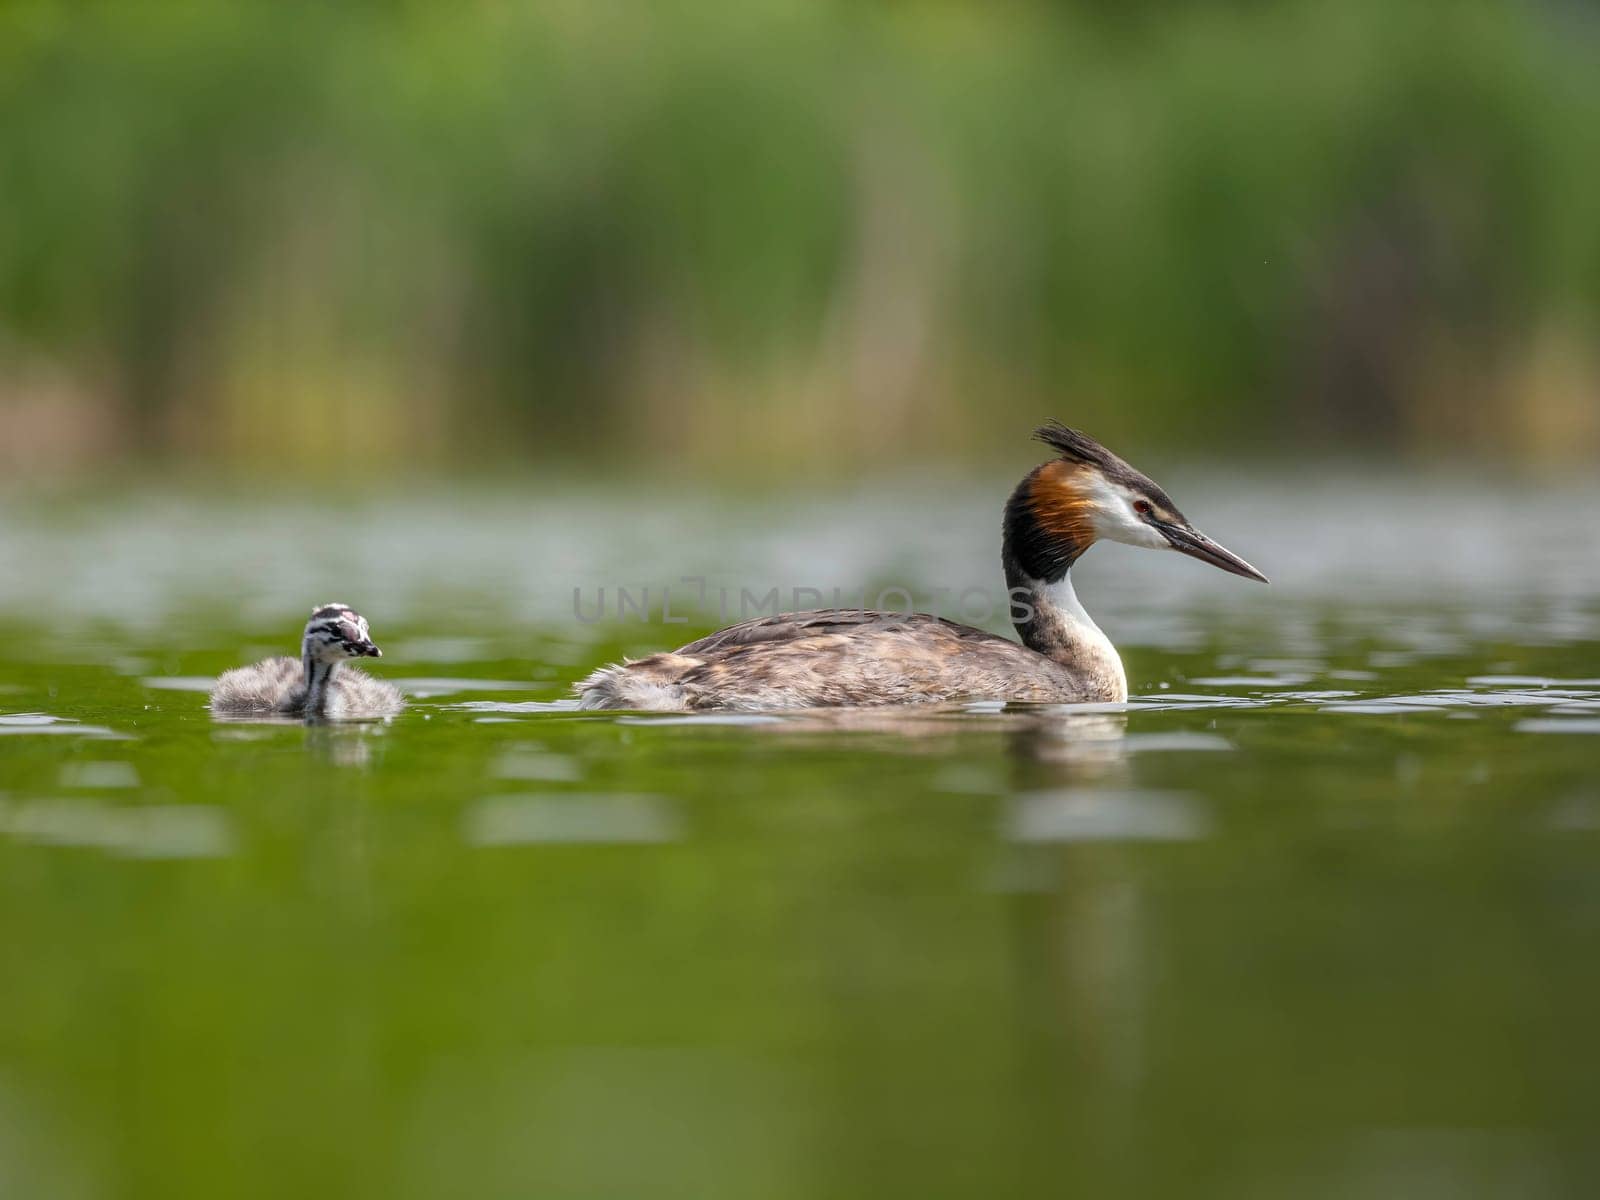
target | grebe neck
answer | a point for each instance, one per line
(1051, 620)
(319, 677)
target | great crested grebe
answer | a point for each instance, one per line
(839, 657)
(317, 684)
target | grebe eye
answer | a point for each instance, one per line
(1142, 507)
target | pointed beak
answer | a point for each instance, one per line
(368, 650)
(1188, 540)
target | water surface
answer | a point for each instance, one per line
(1316, 914)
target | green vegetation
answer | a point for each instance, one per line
(407, 234)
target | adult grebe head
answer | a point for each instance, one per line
(1088, 494)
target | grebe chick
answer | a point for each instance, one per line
(854, 657)
(318, 684)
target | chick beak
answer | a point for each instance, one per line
(369, 650)
(1186, 539)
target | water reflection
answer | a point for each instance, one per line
(425, 688)
(573, 818)
(152, 832)
(1105, 814)
(1081, 736)
(1086, 743)
(345, 743)
(44, 724)
(1550, 698)
(532, 762)
(1559, 725)
(100, 775)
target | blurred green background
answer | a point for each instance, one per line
(783, 235)
(1314, 918)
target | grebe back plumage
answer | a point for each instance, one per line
(838, 657)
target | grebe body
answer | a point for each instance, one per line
(860, 657)
(316, 685)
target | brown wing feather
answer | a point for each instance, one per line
(855, 657)
(789, 627)
(830, 658)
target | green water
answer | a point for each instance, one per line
(1316, 915)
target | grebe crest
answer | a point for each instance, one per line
(318, 684)
(855, 657)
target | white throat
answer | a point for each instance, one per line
(1063, 597)
(1066, 609)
